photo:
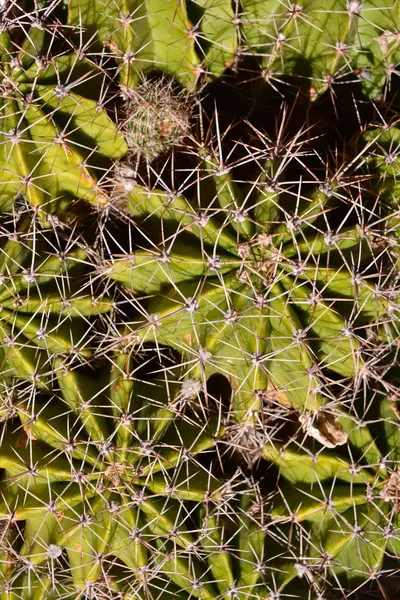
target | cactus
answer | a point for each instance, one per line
(199, 300)
(157, 118)
(216, 33)
(346, 506)
(95, 468)
(43, 311)
(144, 36)
(381, 165)
(234, 551)
(160, 36)
(273, 295)
(52, 135)
(327, 44)
(330, 526)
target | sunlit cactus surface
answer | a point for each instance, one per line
(199, 300)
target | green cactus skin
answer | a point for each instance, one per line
(96, 468)
(224, 555)
(237, 553)
(383, 166)
(154, 35)
(324, 41)
(331, 525)
(141, 35)
(46, 124)
(217, 40)
(348, 505)
(123, 482)
(42, 314)
(255, 284)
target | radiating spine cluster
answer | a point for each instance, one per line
(199, 300)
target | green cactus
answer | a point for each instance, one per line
(216, 33)
(157, 118)
(382, 166)
(349, 505)
(226, 548)
(253, 282)
(52, 136)
(235, 552)
(43, 313)
(98, 469)
(155, 35)
(142, 36)
(331, 525)
(324, 42)
(199, 300)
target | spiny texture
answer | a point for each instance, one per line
(157, 118)
(153, 35)
(382, 165)
(199, 300)
(345, 508)
(325, 43)
(54, 137)
(96, 472)
(45, 304)
(278, 287)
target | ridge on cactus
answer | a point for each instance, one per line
(98, 465)
(274, 295)
(319, 45)
(199, 300)
(190, 41)
(346, 508)
(45, 304)
(52, 136)
(325, 44)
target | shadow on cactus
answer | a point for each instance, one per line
(199, 398)
(97, 474)
(324, 43)
(270, 282)
(382, 165)
(54, 139)
(346, 508)
(48, 305)
(161, 36)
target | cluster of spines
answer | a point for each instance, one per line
(265, 432)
